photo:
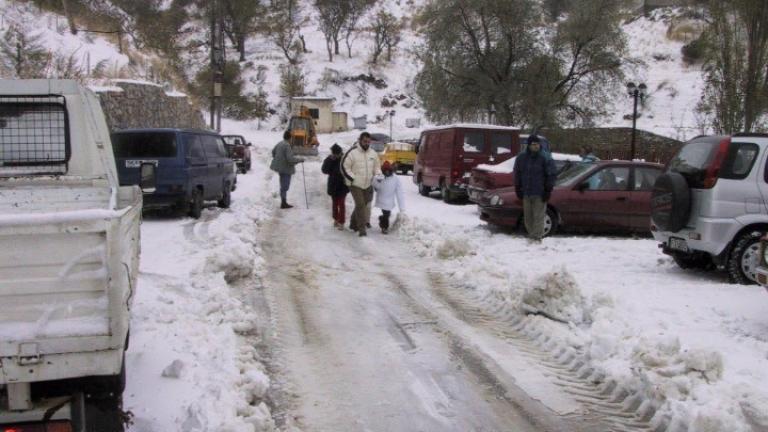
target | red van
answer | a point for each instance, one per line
(446, 155)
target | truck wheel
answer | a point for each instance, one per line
(423, 189)
(744, 259)
(104, 414)
(226, 197)
(196, 204)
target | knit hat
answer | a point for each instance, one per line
(533, 139)
(336, 149)
(386, 166)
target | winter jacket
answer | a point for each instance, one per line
(535, 174)
(336, 185)
(283, 160)
(360, 166)
(387, 189)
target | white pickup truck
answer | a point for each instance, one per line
(69, 252)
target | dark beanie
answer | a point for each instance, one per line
(533, 139)
(336, 149)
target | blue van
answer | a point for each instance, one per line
(191, 167)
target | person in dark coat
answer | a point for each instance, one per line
(284, 163)
(337, 188)
(535, 175)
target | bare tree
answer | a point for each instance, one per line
(356, 10)
(332, 14)
(385, 30)
(736, 92)
(283, 25)
(239, 21)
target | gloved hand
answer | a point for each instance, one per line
(546, 196)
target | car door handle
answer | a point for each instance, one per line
(621, 199)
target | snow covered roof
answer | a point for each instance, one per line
(472, 126)
(140, 82)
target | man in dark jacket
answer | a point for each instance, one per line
(535, 175)
(284, 163)
(337, 188)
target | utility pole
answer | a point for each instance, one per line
(218, 61)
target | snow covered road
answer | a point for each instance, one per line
(360, 342)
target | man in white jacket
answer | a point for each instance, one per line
(360, 165)
(387, 190)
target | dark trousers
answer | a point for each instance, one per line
(384, 219)
(339, 208)
(285, 184)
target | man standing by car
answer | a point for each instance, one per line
(534, 180)
(284, 163)
(359, 166)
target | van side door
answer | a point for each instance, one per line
(196, 162)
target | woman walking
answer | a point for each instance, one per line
(337, 188)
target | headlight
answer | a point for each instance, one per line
(496, 200)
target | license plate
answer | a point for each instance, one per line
(678, 244)
(137, 163)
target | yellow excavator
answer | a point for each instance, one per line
(303, 134)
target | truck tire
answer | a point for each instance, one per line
(670, 202)
(226, 197)
(196, 204)
(104, 414)
(744, 258)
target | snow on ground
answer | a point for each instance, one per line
(186, 367)
(691, 340)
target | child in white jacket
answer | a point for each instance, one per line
(388, 189)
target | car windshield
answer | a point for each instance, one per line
(144, 145)
(572, 173)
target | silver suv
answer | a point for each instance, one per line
(710, 207)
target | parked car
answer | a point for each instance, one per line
(709, 207)
(192, 166)
(69, 260)
(489, 177)
(598, 196)
(238, 150)
(446, 155)
(400, 155)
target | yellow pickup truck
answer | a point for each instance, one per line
(400, 155)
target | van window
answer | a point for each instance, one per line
(214, 146)
(194, 146)
(474, 141)
(501, 143)
(739, 161)
(144, 145)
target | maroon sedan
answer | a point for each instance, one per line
(598, 196)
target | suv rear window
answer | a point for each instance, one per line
(34, 135)
(144, 145)
(694, 158)
(739, 161)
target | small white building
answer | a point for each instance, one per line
(321, 111)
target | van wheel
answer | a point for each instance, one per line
(744, 259)
(423, 189)
(226, 197)
(196, 204)
(445, 193)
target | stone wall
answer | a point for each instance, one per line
(613, 143)
(131, 104)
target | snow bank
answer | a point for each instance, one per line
(557, 296)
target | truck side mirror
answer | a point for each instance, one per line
(148, 182)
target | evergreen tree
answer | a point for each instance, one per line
(23, 53)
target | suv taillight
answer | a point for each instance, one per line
(713, 170)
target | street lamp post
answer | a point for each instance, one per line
(492, 114)
(391, 115)
(635, 92)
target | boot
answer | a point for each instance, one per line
(285, 205)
